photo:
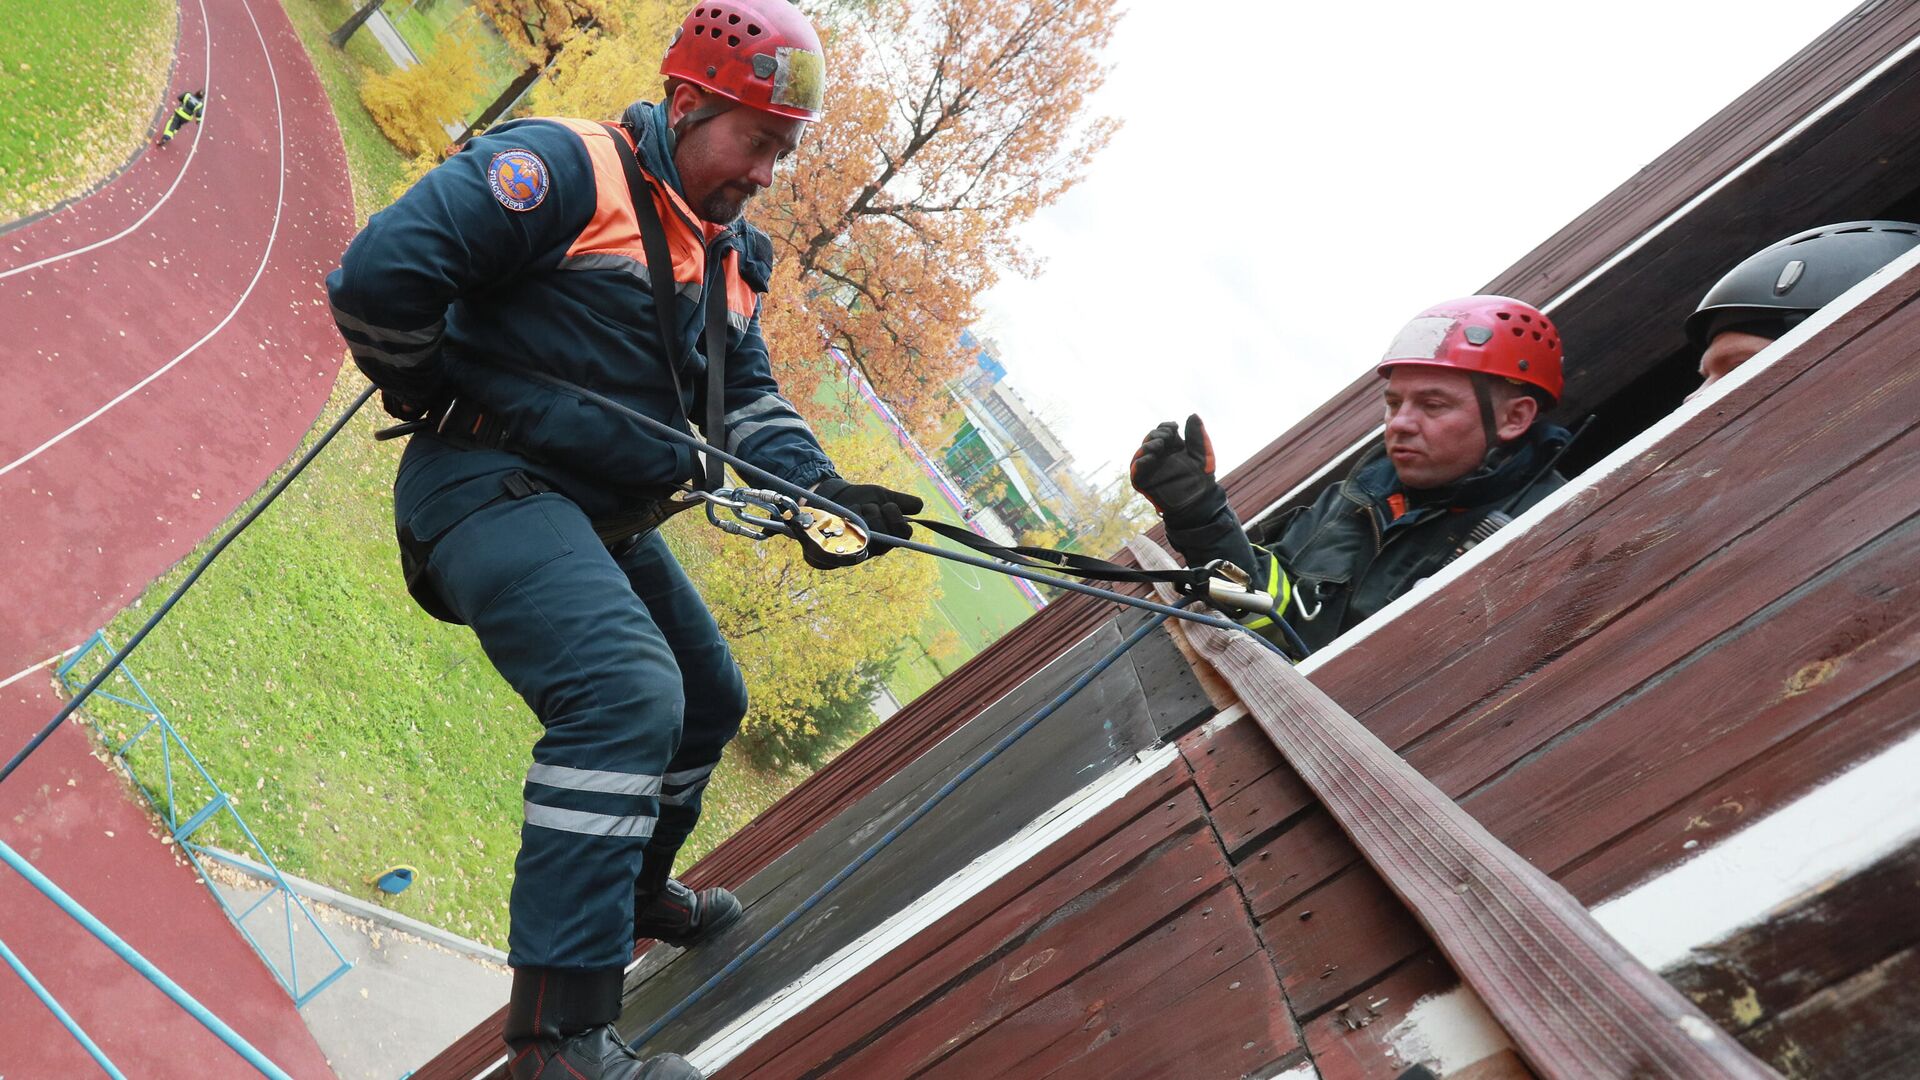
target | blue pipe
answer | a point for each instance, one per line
(73, 1027)
(139, 963)
(866, 856)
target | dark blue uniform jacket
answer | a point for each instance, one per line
(523, 250)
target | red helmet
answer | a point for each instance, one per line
(760, 53)
(1493, 335)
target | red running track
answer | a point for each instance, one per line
(167, 345)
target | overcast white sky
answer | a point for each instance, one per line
(1294, 181)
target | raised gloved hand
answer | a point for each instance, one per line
(1175, 473)
(883, 509)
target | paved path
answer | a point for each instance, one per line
(389, 38)
(405, 999)
(167, 347)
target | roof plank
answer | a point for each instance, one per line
(1574, 1000)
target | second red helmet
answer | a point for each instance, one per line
(1492, 335)
(763, 54)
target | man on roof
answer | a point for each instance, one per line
(1776, 288)
(1465, 450)
(526, 510)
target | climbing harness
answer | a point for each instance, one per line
(783, 509)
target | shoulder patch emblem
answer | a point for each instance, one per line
(518, 179)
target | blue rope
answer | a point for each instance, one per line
(140, 635)
(139, 963)
(866, 856)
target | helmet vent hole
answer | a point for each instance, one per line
(699, 30)
(733, 20)
(1536, 335)
(753, 30)
(733, 41)
(699, 13)
(1506, 315)
(1517, 332)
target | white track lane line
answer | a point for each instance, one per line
(206, 79)
(279, 121)
(41, 666)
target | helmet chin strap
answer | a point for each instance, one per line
(696, 117)
(1484, 397)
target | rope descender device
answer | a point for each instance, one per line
(829, 540)
(1230, 588)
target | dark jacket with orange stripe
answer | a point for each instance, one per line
(1367, 539)
(452, 273)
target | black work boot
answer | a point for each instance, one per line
(669, 912)
(560, 1027)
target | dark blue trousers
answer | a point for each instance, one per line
(626, 670)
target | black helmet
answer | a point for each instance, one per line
(1775, 288)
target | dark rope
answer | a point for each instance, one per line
(180, 590)
(753, 472)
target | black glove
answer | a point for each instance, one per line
(400, 408)
(883, 509)
(1175, 474)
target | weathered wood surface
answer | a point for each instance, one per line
(1374, 1034)
(1101, 728)
(1826, 987)
(1123, 950)
(1860, 1029)
(1608, 689)
(1573, 1000)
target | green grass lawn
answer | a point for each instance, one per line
(82, 85)
(353, 731)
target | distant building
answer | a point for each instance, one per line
(1004, 452)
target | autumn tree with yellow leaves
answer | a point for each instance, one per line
(540, 31)
(948, 123)
(412, 106)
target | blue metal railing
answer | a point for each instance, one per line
(167, 802)
(139, 963)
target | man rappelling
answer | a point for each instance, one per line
(557, 252)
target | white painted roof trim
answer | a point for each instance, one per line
(1832, 832)
(796, 997)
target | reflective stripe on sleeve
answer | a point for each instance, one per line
(425, 335)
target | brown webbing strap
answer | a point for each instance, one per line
(1575, 1002)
